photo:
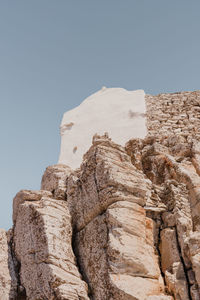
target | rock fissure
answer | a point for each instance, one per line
(125, 225)
(95, 175)
(81, 272)
(20, 292)
(109, 290)
(159, 252)
(184, 266)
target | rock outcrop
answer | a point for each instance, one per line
(113, 236)
(42, 239)
(125, 225)
(8, 276)
(172, 166)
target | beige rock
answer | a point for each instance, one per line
(169, 163)
(160, 297)
(194, 250)
(27, 195)
(133, 215)
(131, 250)
(8, 279)
(42, 237)
(90, 249)
(194, 291)
(132, 288)
(54, 180)
(114, 242)
(172, 265)
(115, 261)
(105, 177)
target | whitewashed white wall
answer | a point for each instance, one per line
(118, 112)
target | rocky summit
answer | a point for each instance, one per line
(124, 223)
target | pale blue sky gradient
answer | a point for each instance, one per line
(53, 54)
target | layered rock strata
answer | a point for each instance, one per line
(125, 225)
(8, 276)
(172, 165)
(42, 244)
(113, 236)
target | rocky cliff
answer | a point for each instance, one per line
(125, 225)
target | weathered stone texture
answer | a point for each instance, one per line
(169, 163)
(124, 226)
(8, 277)
(175, 113)
(54, 180)
(42, 238)
(114, 240)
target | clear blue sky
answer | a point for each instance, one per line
(53, 54)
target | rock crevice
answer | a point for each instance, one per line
(125, 225)
(168, 163)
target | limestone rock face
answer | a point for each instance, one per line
(114, 241)
(172, 165)
(125, 225)
(8, 278)
(54, 180)
(43, 248)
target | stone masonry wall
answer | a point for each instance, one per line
(176, 113)
(124, 226)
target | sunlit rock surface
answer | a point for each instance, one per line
(123, 221)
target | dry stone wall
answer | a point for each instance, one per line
(176, 113)
(124, 226)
